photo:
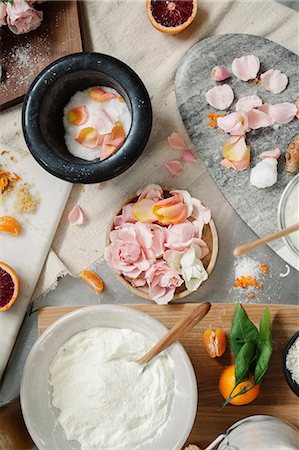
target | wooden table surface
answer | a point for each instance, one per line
(275, 399)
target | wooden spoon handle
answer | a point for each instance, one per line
(186, 323)
(238, 251)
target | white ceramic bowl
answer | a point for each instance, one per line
(39, 414)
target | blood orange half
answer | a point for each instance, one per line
(171, 16)
(9, 286)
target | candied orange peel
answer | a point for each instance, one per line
(9, 225)
(93, 280)
(215, 342)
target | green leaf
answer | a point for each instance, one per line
(244, 361)
(242, 330)
(264, 348)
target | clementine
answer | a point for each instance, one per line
(226, 385)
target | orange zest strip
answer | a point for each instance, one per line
(244, 282)
(264, 268)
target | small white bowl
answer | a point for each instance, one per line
(41, 417)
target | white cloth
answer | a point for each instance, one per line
(121, 28)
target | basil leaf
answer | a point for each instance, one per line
(244, 360)
(242, 330)
(264, 348)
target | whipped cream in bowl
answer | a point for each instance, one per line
(82, 389)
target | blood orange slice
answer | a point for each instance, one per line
(9, 286)
(171, 16)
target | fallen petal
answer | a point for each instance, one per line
(275, 153)
(99, 95)
(283, 112)
(274, 81)
(220, 73)
(235, 123)
(236, 153)
(226, 163)
(77, 116)
(76, 216)
(174, 167)
(188, 156)
(107, 151)
(246, 68)
(297, 106)
(258, 119)
(220, 97)
(142, 210)
(104, 120)
(88, 137)
(267, 108)
(116, 138)
(176, 141)
(247, 103)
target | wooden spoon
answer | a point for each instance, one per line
(186, 323)
(238, 251)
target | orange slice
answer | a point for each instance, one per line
(9, 225)
(9, 287)
(171, 16)
(93, 280)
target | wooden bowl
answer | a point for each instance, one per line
(209, 235)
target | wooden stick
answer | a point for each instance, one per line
(186, 323)
(238, 251)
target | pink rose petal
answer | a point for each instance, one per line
(275, 153)
(220, 97)
(103, 121)
(237, 153)
(274, 81)
(200, 212)
(247, 103)
(246, 68)
(283, 112)
(220, 73)
(174, 167)
(152, 191)
(297, 106)
(258, 119)
(280, 113)
(176, 141)
(188, 156)
(76, 216)
(235, 123)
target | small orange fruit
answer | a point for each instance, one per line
(9, 286)
(226, 385)
(93, 280)
(215, 342)
(9, 225)
(171, 16)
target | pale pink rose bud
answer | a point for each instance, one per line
(22, 18)
(220, 73)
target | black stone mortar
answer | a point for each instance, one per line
(42, 115)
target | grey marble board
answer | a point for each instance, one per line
(257, 207)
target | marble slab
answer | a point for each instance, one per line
(257, 207)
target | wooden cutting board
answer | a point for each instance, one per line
(275, 399)
(24, 56)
